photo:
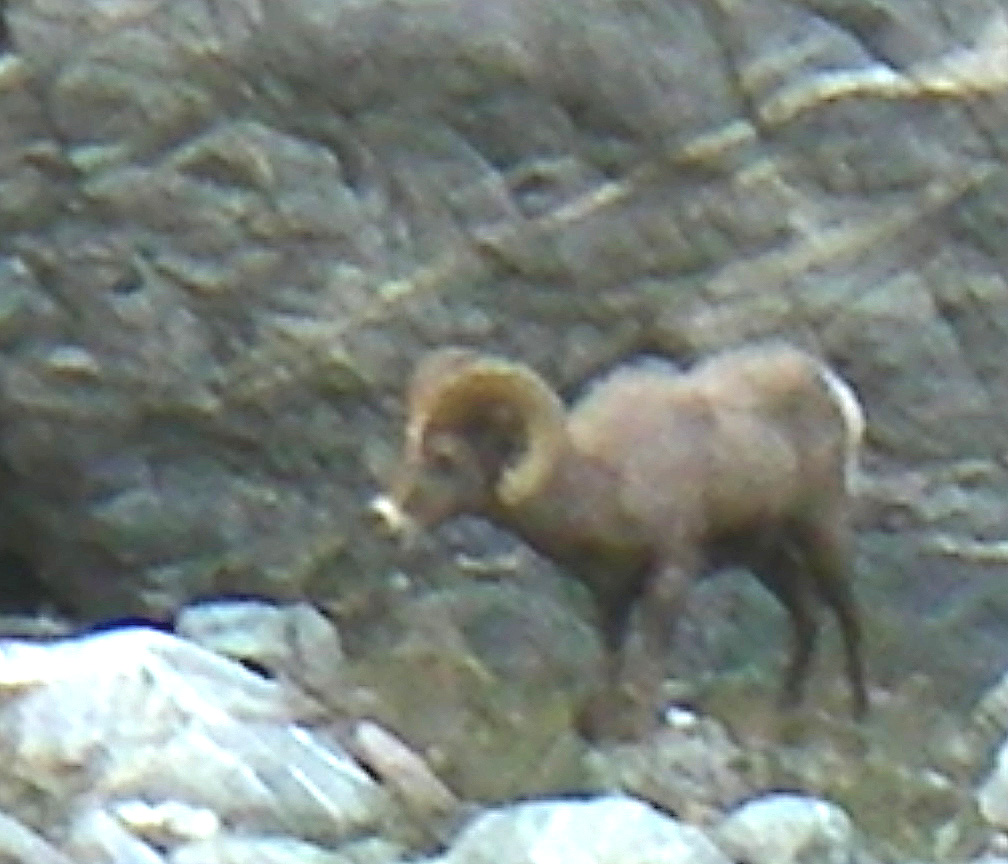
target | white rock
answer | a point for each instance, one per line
(294, 641)
(97, 836)
(140, 715)
(167, 822)
(787, 829)
(607, 830)
(256, 850)
(992, 796)
(402, 769)
(18, 843)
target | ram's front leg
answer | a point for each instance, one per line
(661, 605)
(611, 709)
(613, 623)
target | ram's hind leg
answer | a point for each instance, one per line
(782, 571)
(828, 557)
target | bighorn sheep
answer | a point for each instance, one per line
(652, 478)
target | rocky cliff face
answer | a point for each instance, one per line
(228, 227)
(226, 230)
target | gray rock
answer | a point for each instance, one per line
(787, 829)
(688, 767)
(609, 830)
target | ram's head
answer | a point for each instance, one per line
(482, 436)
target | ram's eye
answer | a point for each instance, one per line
(443, 456)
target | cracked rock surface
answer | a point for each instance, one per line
(229, 227)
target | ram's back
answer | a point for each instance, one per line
(744, 438)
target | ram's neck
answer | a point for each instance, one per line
(575, 515)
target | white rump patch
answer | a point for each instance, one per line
(854, 422)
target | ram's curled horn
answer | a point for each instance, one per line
(484, 384)
(430, 376)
